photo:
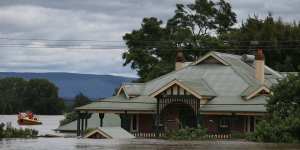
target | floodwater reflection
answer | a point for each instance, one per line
(134, 144)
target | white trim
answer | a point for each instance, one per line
(170, 84)
(98, 131)
(257, 91)
(122, 88)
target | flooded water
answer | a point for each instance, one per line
(51, 122)
(135, 144)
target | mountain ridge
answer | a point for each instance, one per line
(70, 84)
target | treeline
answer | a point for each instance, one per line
(37, 95)
(203, 26)
(280, 41)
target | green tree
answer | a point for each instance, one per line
(283, 125)
(37, 95)
(152, 47)
(11, 95)
(81, 100)
(278, 39)
(41, 96)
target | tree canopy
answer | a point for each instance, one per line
(37, 95)
(80, 100)
(207, 25)
(283, 125)
(152, 47)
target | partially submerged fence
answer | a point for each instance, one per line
(151, 135)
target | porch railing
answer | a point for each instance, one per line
(147, 135)
(151, 135)
(218, 136)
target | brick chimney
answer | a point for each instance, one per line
(260, 66)
(179, 59)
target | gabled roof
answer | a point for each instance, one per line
(213, 55)
(110, 133)
(231, 77)
(221, 77)
(178, 83)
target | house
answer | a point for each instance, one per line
(222, 92)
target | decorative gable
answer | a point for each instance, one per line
(260, 91)
(211, 58)
(175, 87)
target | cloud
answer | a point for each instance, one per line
(100, 20)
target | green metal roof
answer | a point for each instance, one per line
(235, 104)
(121, 103)
(226, 83)
(109, 120)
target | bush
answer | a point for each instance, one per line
(69, 117)
(187, 134)
(11, 132)
(277, 130)
(238, 135)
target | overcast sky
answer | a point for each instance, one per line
(101, 20)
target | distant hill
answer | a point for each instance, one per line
(70, 84)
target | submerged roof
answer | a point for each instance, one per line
(111, 133)
(229, 80)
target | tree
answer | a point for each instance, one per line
(80, 100)
(37, 95)
(149, 50)
(11, 94)
(283, 125)
(278, 39)
(152, 47)
(285, 100)
(41, 96)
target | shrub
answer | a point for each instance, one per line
(11, 132)
(277, 130)
(69, 117)
(238, 135)
(187, 134)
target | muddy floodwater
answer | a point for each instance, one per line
(134, 144)
(51, 122)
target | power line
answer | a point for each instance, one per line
(111, 47)
(108, 41)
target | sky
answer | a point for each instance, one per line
(90, 25)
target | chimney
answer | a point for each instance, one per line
(179, 59)
(260, 66)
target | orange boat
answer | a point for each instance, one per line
(28, 119)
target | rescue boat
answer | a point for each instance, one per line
(28, 119)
